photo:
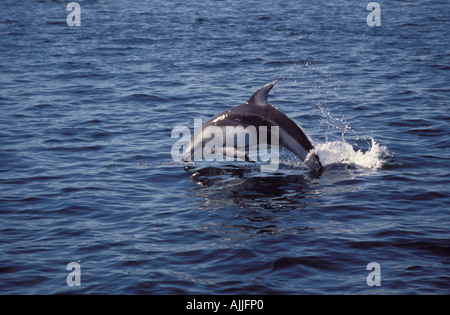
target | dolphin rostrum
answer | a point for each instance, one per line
(258, 112)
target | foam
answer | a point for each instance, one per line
(342, 152)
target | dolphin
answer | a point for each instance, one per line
(258, 112)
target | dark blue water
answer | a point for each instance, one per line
(87, 176)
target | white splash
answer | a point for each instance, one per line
(341, 152)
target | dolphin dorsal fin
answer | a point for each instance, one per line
(260, 96)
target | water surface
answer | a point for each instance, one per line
(86, 173)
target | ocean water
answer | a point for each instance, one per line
(86, 172)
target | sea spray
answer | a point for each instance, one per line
(342, 152)
(335, 129)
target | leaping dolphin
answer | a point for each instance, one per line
(258, 112)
